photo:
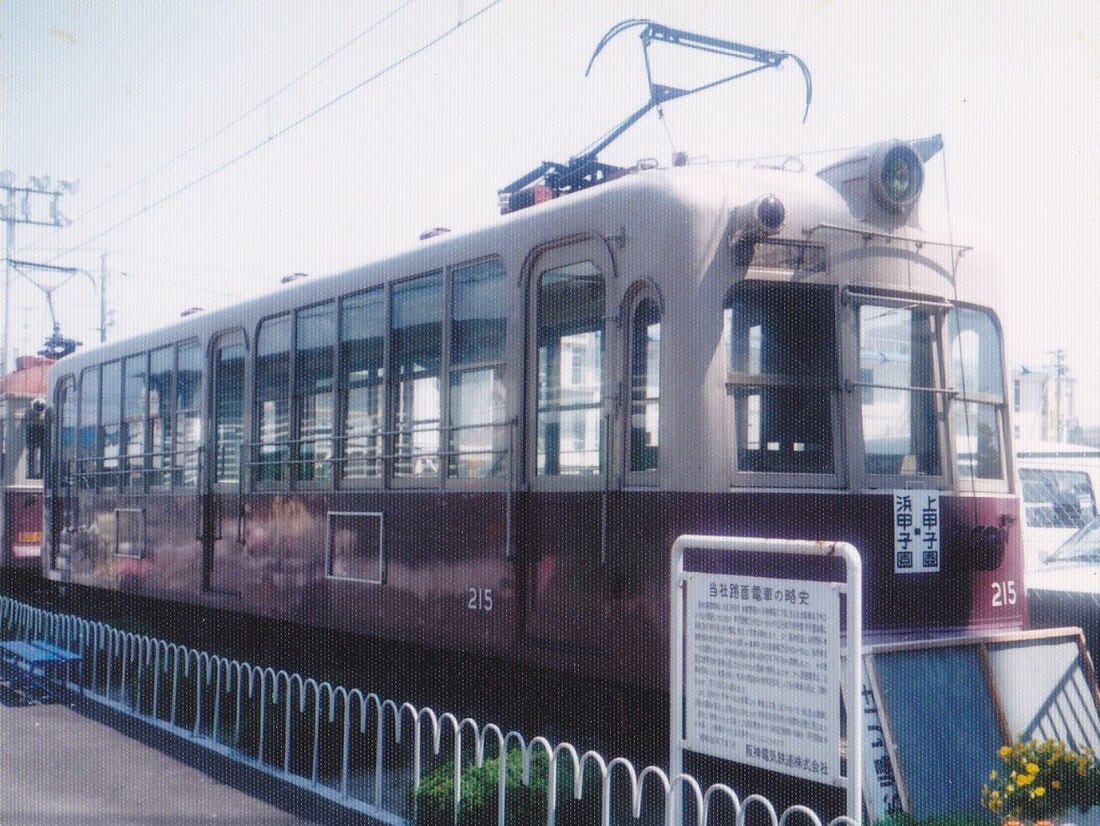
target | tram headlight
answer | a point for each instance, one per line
(757, 219)
(897, 176)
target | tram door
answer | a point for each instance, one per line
(222, 548)
(561, 535)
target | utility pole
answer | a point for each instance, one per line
(1060, 371)
(103, 298)
(35, 203)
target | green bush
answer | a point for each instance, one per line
(956, 819)
(524, 806)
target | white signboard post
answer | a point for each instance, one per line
(756, 670)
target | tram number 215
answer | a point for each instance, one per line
(480, 599)
(1004, 593)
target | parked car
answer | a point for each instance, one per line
(1059, 482)
(1064, 589)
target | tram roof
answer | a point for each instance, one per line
(637, 199)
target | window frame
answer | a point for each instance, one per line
(497, 480)
(223, 340)
(973, 483)
(935, 308)
(570, 252)
(255, 464)
(340, 435)
(636, 296)
(736, 381)
(297, 397)
(392, 384)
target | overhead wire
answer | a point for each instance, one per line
(280, 132)
(230, 124)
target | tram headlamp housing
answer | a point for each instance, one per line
(753, 221)
(897, 176)
(757, 219)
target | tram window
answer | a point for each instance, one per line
(898, 405)
(110, 408)
(479, 434)
(416, 354)
(159, 425)
(272, 399)
(977, 378)
(66, 431)
(570, 321)
(36, 445)
(645, 362)
(189, 358)
(782, 376)
(362, 343)
(228, 409)
(88, 428)
(315, 334)
(134, 392)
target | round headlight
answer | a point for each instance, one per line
(770, 212)
(897, 176)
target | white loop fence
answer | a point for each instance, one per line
(351, 747)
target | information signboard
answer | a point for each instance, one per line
(763, 673)
(756, 671)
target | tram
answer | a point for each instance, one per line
(489, 442)
(22, 451)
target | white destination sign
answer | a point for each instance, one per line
(762, 658)
(916, 531)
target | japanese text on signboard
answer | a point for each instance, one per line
(763, 669)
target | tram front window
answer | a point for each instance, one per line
(782, 376)
(897, 391)
(975, 375)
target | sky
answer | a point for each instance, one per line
(222, 145)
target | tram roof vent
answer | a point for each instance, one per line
(882, 183)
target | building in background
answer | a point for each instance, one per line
(1044, 402)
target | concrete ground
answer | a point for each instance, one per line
(75, 762)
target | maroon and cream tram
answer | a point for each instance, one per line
(22, 448)
(489, 443)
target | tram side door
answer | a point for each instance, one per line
(61, 500)
(562, 532)
(224, 483)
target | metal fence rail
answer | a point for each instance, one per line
(368, 753)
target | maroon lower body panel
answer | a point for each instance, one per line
(582, 586)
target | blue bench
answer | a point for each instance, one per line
(27, 665)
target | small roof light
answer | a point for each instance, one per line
(294, 276)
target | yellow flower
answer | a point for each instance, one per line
(1032, 768)
(1056, 784)
(1039, 791)
(1005, 751)
(1024, 779)
(993, 775)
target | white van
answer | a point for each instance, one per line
(1059, 482)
